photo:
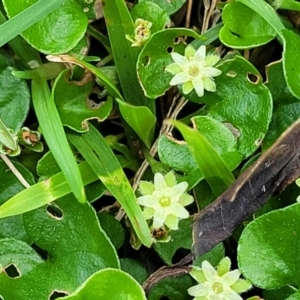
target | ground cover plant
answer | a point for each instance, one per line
(149, 149)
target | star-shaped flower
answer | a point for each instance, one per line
(194, 70)
(220, 284)
(164, 200)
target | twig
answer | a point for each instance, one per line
(14, 170)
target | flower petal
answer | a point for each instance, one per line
(211, 72)
(187, 87)
(159, 218)
(231, 295)
(209, 272)
(180, 78)
(189, 51)
(178, 189)
(224, 266)
(148, 200)
(146, 187)
(197, 274)
(241, 286)
(159, 182)
(199, 290)
(199, 56)
(173, 68)
(170, 179)
(209, 84)
(172, 222)
(148, 213)
(181, 60)
(178, 210)
(185, 199)
(211, 60)
(231, 277)
(198, 86)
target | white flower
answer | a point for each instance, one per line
(164, 200)
(220, 284)
(194, 70)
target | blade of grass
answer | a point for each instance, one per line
(110, 86)
(212, 166)
(119, 23)
(22, 49)
(54, 135)
(104, 163)
(44, 192)
(27, 18)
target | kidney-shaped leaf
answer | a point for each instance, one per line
(268, 251)
(243, 28)
(155, 56)
(109, 284)
(58, 32)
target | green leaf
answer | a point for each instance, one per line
(241, 101)
(74, 104)
(10, 185)
(221, 138)
(283, 117)
(57, 32)
(243, 28)
(134, 269)
(173, 288)
(264, 245)
(103, 78)
(43, 192)
(276, 83)
(109, 284)
(169, 6)
(102, 160)
(153, 13)
(54, 135)
(266, 11)
(119, 24)
(113, 229)
(27, 18)
(291, 58)
(73, 243)
(155, 56)
(209, 161)
(180, 239)
(140, 119)
(14, 97)
(47, 167)
(176, 155)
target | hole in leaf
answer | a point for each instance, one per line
(253, 78)
(42, 253)
(57, 294)
(179, 39)
(170, 49)
(235, 131)
(231, 73)
(146, 61)
(258, 142)
(12, 271)
(235, 34)
(54, 211)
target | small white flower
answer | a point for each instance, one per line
(220, 284)
(164, 200)
(194, 70)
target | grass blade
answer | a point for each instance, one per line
(102, 160)
(54, 135)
